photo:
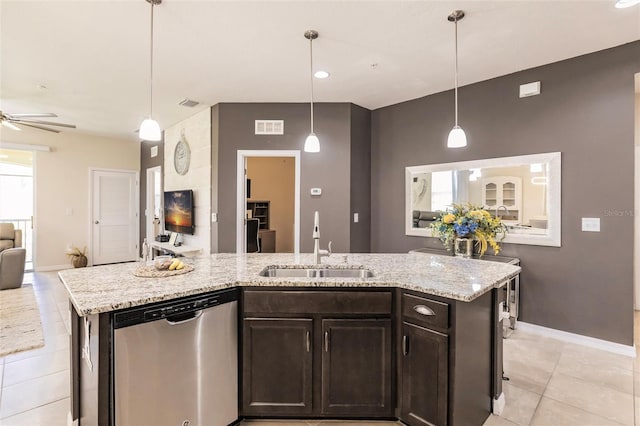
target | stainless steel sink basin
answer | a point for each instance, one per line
(315, 272)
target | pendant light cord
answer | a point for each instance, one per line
(311, 76)
(456, 69)
(151, 67)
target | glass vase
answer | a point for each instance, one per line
(463, 247)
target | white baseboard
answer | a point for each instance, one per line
(579, 339)
(52, 268)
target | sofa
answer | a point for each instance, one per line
(12, 257)
(10, 237)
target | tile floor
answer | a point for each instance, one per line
(552, 383)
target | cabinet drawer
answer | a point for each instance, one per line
(426, 312)
(317, 302)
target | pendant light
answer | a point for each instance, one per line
(150, 129)
(457, 138)
(312, 144)
(622, 4)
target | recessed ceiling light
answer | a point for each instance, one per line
(321, 74)
(621, 4)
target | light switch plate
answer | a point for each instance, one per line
(316, 191)
(214, 217)
(154, 151)
(591, 224)
(356, 219)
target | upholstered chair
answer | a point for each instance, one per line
(12, 267)
(9, 236)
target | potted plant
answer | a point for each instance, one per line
(78, 257)
(466, 225)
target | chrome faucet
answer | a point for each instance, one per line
(501, 207)
(318, 254)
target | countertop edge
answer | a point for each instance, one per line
(279, 282)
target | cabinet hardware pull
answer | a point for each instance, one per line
(326, 341)
(405, 346)
(308, 341)
(423, 310)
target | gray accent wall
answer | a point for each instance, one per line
(360, 194)
(586, 111)
(329, 169)
(146, 162)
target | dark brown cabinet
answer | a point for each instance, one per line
(356, 367)
(424, 361)
(317, 353)
(424, 376)
(277, 360)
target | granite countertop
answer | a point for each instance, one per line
(112, 287)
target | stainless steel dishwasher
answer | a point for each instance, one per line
(175, 363)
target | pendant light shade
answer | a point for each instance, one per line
(457, 138)
(312, 143)
(622, 4)
(150, 129)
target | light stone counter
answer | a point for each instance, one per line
(112, 287)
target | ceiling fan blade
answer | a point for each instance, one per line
(34, 115)
(40, 127)
(10, 125)
(48, 123)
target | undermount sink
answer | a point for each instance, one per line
(315, 272)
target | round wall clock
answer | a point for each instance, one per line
(182, 156)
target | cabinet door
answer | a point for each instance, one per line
(277, 366)
(356, 367)
(424, 376)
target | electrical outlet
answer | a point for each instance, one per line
(591, 224)
(214, 217)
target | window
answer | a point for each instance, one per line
(441, 190)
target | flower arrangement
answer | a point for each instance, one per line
(469, 221)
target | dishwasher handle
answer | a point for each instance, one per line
(183, 318)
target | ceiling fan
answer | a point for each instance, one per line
(13, 121)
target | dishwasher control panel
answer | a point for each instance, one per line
(162, 310)
(159, 313)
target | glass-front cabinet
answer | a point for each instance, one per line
(504, 195)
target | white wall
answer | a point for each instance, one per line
(62, 186)
(197, 131)
(636, 250)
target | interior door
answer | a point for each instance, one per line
(114, 216)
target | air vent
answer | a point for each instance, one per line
(188, 103)
(269, 127)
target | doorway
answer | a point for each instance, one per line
(17, 195)
(113, 216)
(268, 189)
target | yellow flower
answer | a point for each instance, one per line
(448, 218)
(476, 214)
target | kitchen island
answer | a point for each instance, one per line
(428, 314)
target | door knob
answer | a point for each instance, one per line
(96, 222)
